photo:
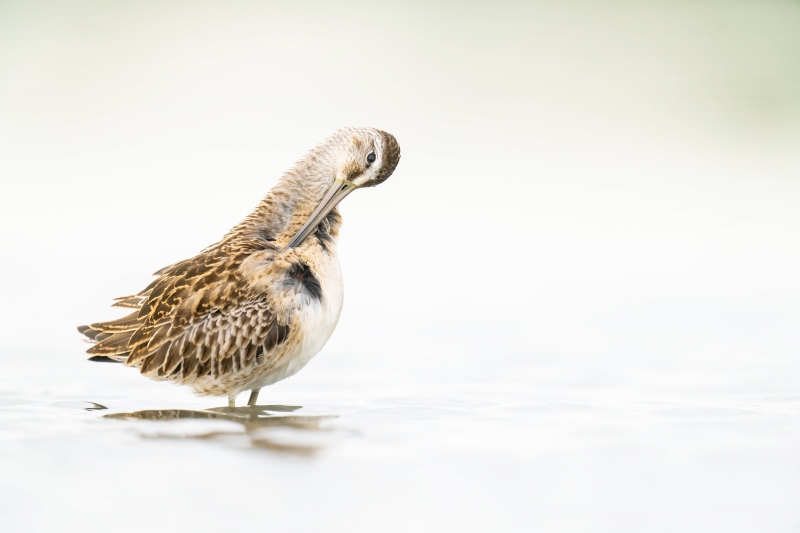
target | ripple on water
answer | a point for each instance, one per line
(86, 406)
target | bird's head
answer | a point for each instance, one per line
(365, 157)
(362, 157)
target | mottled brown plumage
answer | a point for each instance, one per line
(255, 307)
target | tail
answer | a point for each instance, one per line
(111, 338)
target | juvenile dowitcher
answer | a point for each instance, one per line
(255, 307)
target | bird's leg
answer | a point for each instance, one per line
(253, 397)
(231, 401)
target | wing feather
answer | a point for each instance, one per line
(199, 317)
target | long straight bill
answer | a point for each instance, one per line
(333, 196)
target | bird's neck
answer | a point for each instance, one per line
(281, 214)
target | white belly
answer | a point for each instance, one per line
(312, 322)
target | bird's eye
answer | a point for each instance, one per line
(371, 157)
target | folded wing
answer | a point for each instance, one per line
(198, 318)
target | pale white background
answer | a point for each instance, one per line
(574, 307)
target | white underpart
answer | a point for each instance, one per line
(312, 321)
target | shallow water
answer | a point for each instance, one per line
(471, 458)
(263, 426)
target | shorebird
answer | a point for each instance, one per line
(255, 307)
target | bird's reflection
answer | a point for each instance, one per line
(266, 426)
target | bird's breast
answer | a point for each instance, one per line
(319, 305)
(306, 282)
(307, 296)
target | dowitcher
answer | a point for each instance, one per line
(255, 307)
